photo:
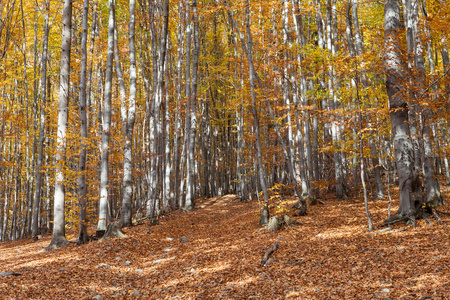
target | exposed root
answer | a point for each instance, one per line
(436, 215)
(114, 230)
(57, 242)
(394, 219)
(382, 230)
(423, 211)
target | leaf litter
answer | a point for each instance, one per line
(215, 252)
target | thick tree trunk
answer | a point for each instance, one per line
(395, 81)
(59, 238)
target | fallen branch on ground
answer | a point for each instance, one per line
(268, 253)
(9, 274)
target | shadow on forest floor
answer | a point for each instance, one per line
(329, 256)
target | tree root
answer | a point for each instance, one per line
(382, 230)
(57, 243)
(394, 219)
(114, 230)
(436, 215)
(423, 212)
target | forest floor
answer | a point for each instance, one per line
(215, 252)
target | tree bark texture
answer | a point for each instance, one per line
(59, 238)
(395, 87)
(103, 216)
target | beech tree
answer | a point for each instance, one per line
(59, 223)
(40, 158)
(104, 216)
(128, 113)
(406, 157)
(186, 99)
(82, 239)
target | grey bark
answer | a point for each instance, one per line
(177, 130)
(82, 188)
(248, 49)
(103, 217)
(432, 188)
(189, 201)
(59, 238)
(187, 130)
(404, 152)
(38, 175)
(128, 112)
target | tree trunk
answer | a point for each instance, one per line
(59, 238)
(404, 152)
(103, 215)
(37, 190)
(82, 188)
(177, 130)
(128, 118)
(189, 202)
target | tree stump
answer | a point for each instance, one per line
(289, 221)
(275, 224)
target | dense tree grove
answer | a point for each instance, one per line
(115, 108)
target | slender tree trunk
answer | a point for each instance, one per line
(82, 188)
(187, 130)
(189, 203)
(103, 215)
(128, 119)
(37, 190)
(166, 197)
(59, 238)
(432, 188)
(177, 130)
(248, 49)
